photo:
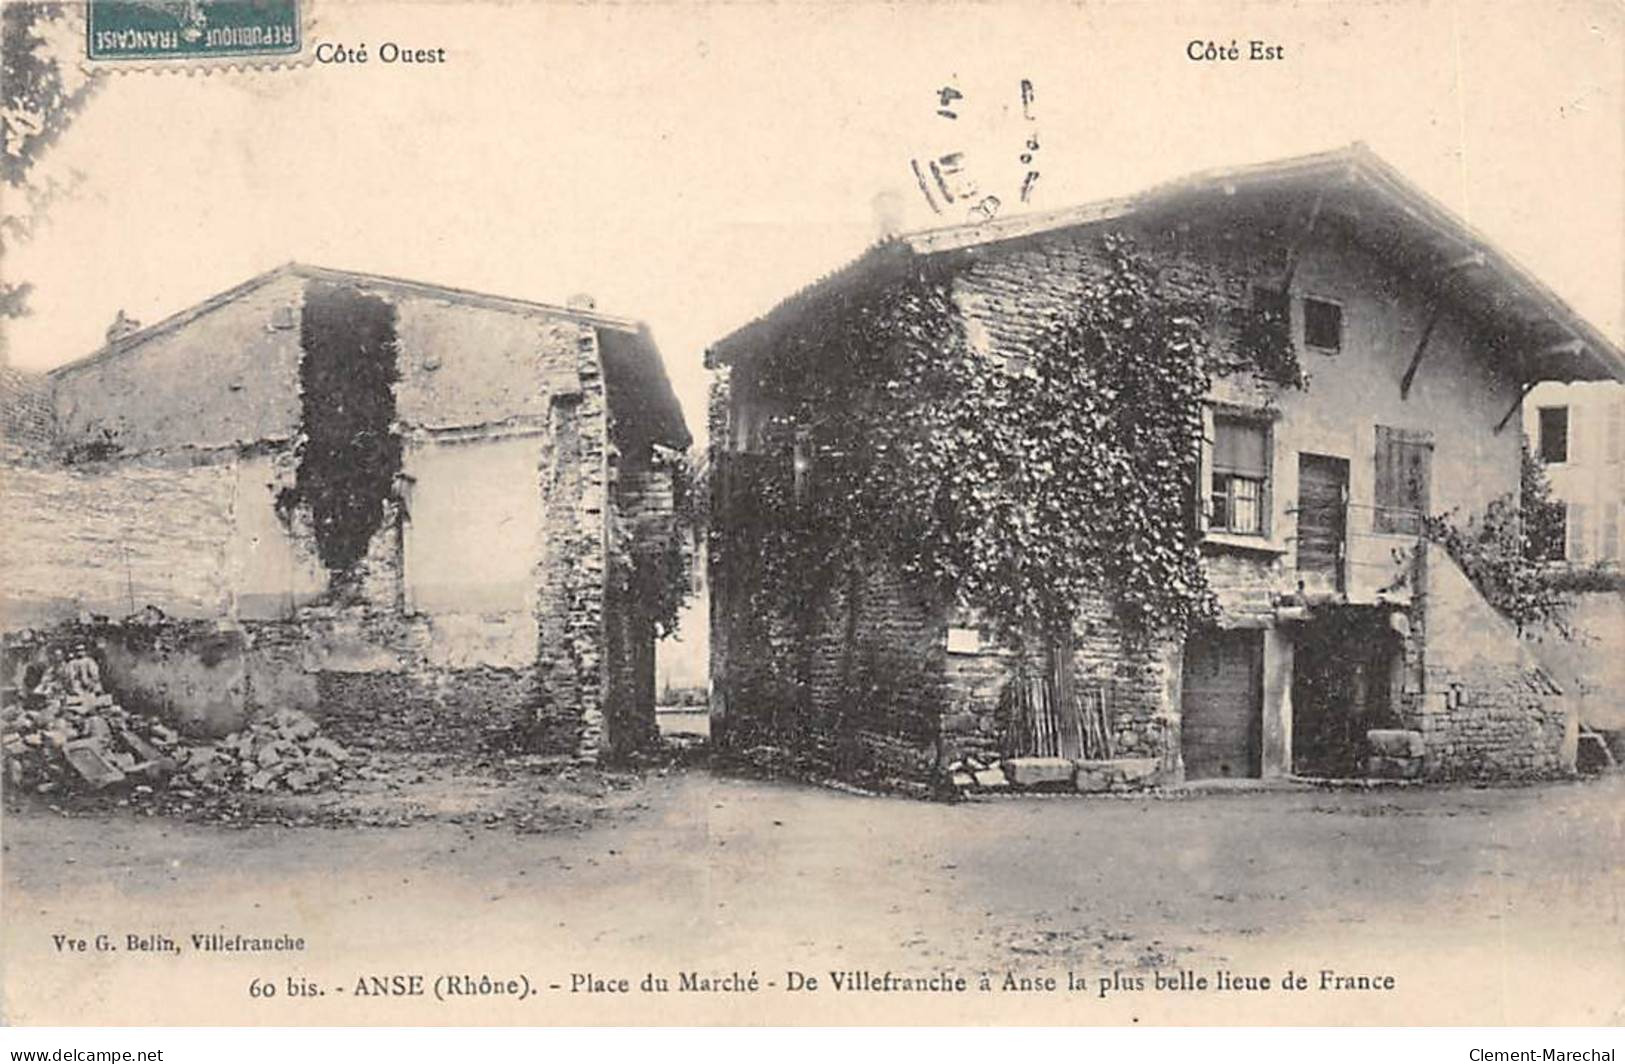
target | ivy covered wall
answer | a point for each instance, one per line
(890, 459)
(1017, 429)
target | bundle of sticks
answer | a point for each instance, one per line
(1041, 724)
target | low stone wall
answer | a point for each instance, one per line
(381, 680)
(193, 676)
(457, 711)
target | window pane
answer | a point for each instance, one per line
(1246, 494)
(1221, 502)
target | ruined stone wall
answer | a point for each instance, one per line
(573, 574)
(457, 650)
(402, 650)
(1486, 708)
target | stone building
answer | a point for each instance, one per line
(422, 514)
(1346, 644)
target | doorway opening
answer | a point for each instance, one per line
(1348, 675)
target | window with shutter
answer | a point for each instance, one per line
(1239, 498)
(1404, 461)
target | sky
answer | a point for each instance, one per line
(691, 164)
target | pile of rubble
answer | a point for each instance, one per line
(283, 752)
(62, 732)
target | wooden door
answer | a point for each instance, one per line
(1221, 704)
(1322, 520)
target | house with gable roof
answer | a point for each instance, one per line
(1345, 642)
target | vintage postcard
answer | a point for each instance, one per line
(824, 514)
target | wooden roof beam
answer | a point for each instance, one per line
(1421, 349)
(1517, 404)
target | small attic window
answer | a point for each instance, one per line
(1322, 324)
(283, 317)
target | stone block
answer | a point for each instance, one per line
(1039, 771)
(1393, 768)
(991, 779)
(1123, 773)
(1137, 770)
(1393, 742)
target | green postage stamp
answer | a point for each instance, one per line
(150, 30)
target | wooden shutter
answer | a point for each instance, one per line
(1577, 532)
(1404, 472)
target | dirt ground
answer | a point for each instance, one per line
(1484, 906)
